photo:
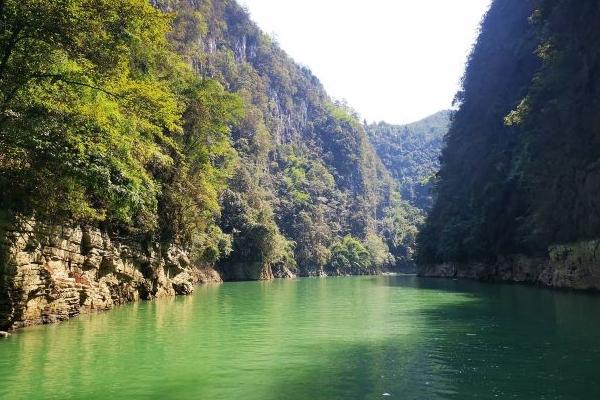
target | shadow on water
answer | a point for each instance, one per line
(515, 341)
(343, 338)
(440, 284)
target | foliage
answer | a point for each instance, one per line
(306, 165)
(520, 170)
(180, 121)
(379, 252)
(102, 122)
(349, 254)
(411, 154)
(189, 204)
(400, 227)
(83, 109)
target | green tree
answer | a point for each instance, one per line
(85, 109)
(101, 121)
(349, 255)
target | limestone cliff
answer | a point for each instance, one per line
(52, 273)
(567, 266)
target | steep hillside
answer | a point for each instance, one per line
(411, 154)
(184, 138)
(306, 162)
(519, 174)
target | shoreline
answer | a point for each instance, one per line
(574, 266)
(91, 312)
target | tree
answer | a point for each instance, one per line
(86, 112)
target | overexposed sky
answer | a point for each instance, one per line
(392, 60)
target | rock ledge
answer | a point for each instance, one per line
(53, 273)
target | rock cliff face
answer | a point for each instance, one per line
(52, 273)
(568, 266)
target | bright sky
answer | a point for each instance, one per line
(392, 60)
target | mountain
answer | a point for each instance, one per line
(411, 153)
(306, 166)
(517, 193)
(148, 146)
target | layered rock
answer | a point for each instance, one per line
(52, 273)
(354, 271)
(280, 271)
(569, 266)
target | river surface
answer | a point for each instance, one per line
(388, 337)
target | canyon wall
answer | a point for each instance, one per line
(52, 273)
(566, 266)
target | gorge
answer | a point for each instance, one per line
(188, 147)
(195, 151)
(517, 191)
(171, 150)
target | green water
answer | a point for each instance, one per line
(336, 338)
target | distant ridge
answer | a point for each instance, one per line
(411, 153)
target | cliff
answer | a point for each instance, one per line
(307, 165)
(52, 273)
(567, 266)
(149, 146)
(517, 193)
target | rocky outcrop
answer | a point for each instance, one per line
(569, 266)
(355, 271)
(52, 273)
(246, 271)
(280, 271)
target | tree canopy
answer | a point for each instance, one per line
(101, 121)
(181, 122)
(519, 171)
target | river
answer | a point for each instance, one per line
(386, 337)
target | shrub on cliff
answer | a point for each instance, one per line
(101, 121)
(349, 254)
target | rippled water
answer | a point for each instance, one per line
(337, 338)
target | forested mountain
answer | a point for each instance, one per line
(179, 121)
(520, 171)
(306, 172)
(411, 154)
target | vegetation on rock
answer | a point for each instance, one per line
(411, 154)
(101, 122)
(520, 170)
(181, 122)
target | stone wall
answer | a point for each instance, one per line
(569, 266)
(52, 273)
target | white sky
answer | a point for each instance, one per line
(392, 60)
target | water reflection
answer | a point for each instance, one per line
(354, 338)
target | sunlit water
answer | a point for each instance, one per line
(337, 338)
